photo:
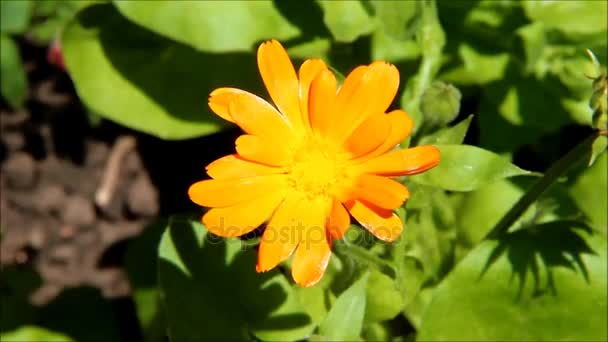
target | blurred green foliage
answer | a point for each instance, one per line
(502, 76)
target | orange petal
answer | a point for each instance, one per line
(256, 149)
(338, 220)
(401, 127)
(402, 162)
(280, 80)
(382, 223)
(369, 135)
(320, 102)
(233, 166)
(367, 94)
(256, 116)
(291, 223)
(219, 101)
(244, 217)
(310, 260)
(381, 191)
(308, 71)
(228, 192)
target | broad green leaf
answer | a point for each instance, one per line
(452, 135)
(30, 333)
(480, 210)
(344, 320)
(144, 81)
(476, 67)
(346, 20)
(566, 15)
(546, 283)
(410, 277)
(15, 15)
(399, 19)
(589, 192)
(211, 290)
(465, 168)
(211, 26)
(533, 43)
(384, 299)
(142, 269)
(13, 81)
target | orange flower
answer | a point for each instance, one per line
(323, 152)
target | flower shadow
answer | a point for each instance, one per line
(539, 250)
(213, 284)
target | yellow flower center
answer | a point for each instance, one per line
(319, 168)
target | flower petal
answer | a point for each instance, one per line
(242, 218)
(310, 260)
(338, 220)
(293, 221)
(320, 101)
(382, 223)
(401, 127)
(308, 71)
(369, 135)
(219, 101)
(256, 149)
(280, 80)
(257, 117)
(367, 94)
(402, 162)
(228, 192)
(233, 166)
(381, 191)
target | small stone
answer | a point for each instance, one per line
(13, 140)
(79, 211)
(20, 171)
(50, 199)
(142, 197)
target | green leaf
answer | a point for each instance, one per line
(211, 26)
(384, 300)
(566, 15)
(589, 193)
(533, 43)
(142, 269)
(211, 290)
(344, 320)
(146, 82)
(346, 20)
(546, 283)
(13, 81)
(451, 135)
(15, 15)
(399, 19)
(30, 333)
(477, 67)
(599, 146)
(410, 277)
(465, 168)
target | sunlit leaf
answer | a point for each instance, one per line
(527, 286)
(344, 320)
(30, 333)
(211, 290)
(465, 168)
(566, 15)
(211, 26)
(589, 192)
(346, 20)
(451, 135)
(15, 15)
(384, 300)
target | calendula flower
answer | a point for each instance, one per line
(320, 153)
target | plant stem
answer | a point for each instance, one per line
(365, 255)
(551, 175)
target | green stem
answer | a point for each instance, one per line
(365, 255)
(551, 175)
